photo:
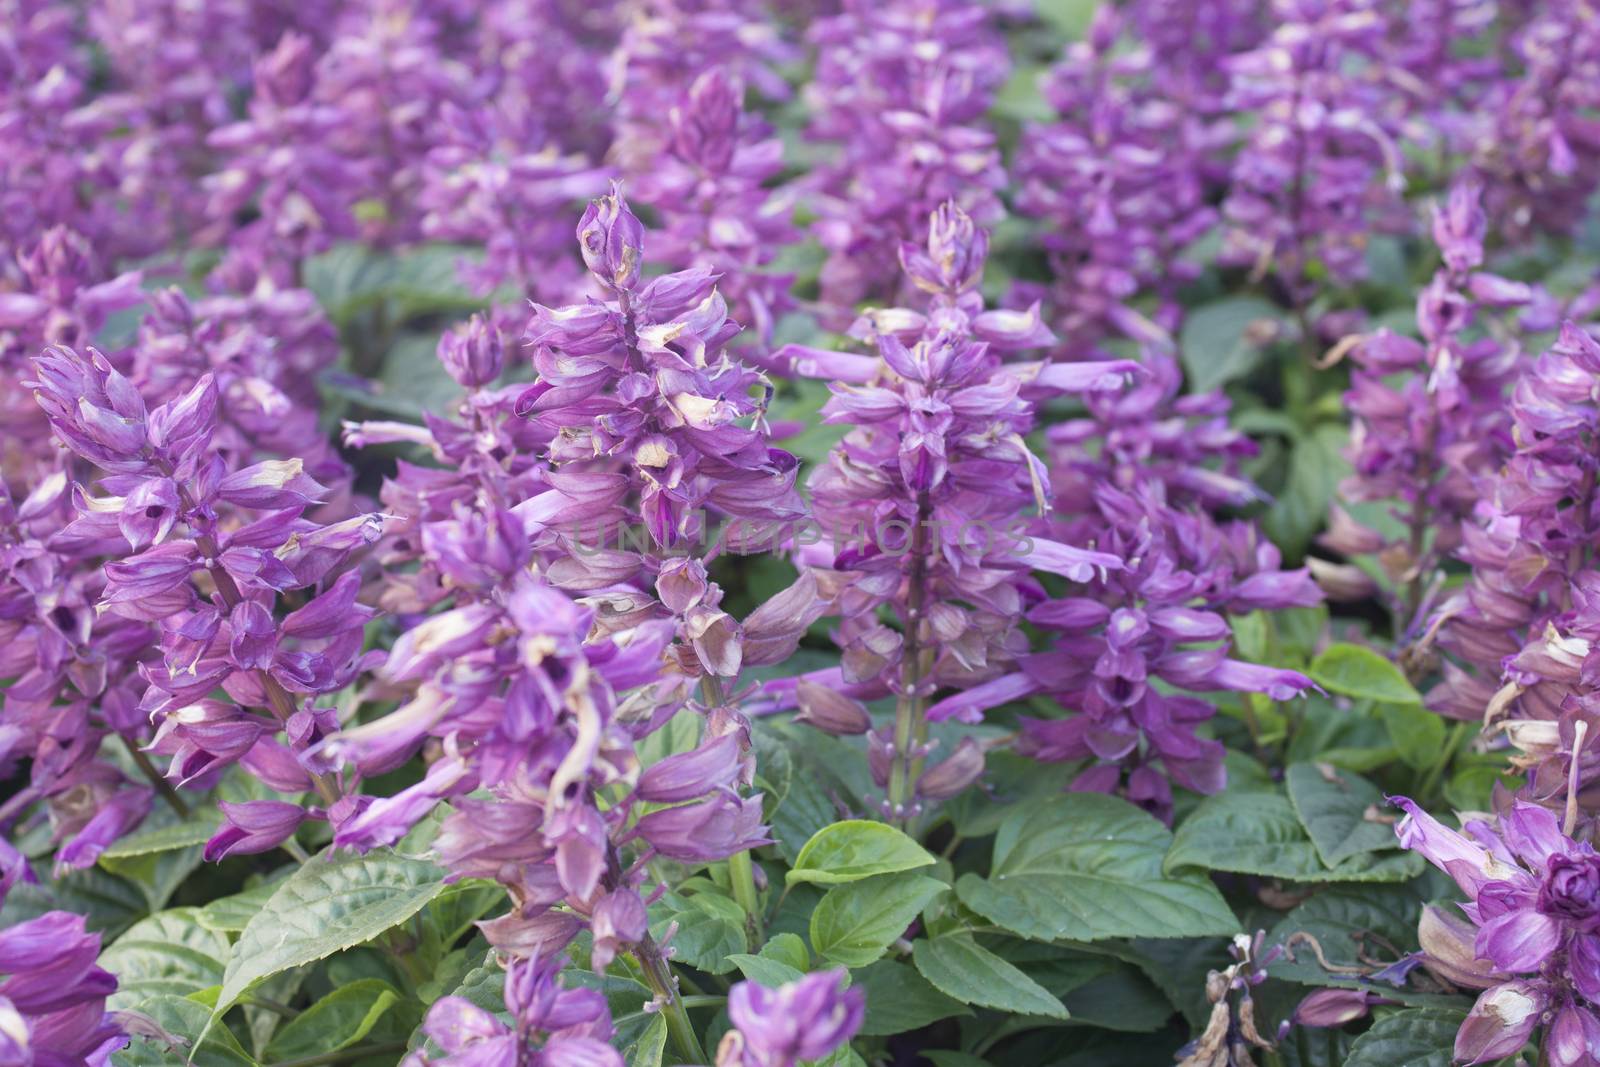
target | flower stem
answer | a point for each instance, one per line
(741, 868)
(910, 728)
(658, 976)
(149, 770)
(742, 874)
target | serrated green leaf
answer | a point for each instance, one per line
(1421, 1037)
(961, 968)
(187, 1020)
(168, 953)
(763, 970)
(900, 999)
(711, 928)
(1258, 833)
(855, 923)
(230, 915)
(329, 904)
(196, 831)
(1358, 671)
(854, 849)
(337, 1021)
(1332, 805)
(1086, 867)
(789, 949)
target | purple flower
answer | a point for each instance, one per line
(52, 996)
(1533, 896)
(550, 1026)
(900, 87)
(802, 1020)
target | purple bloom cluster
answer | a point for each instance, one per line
(52, 995)
(1320, 170)
(1120, 180)
(1529, 940)
(936, 478)
(1519, 634)
(1429, 443)
(900, 88)
(550, 1026)
(525, 632)
(801, 1020)
(209, 552)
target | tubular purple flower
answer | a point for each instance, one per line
(806, 1019)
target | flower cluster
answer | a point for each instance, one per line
(1321, 170)
(801, 1020)
(1429, 443)
(212, 551)
(1529, 938)
(1120, 181)
(899, 88)
(52, 996)
(936, 480)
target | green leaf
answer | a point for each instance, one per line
(196, 831)
(168, 953)
(331, 903)
(1258, 833)
(156, 874)
(711, 929)
(1343, 920)
(1357, 671)
(1418, 734)
(1316, 464)
(855, 923)
(1071, 17)
(952, 1058)
(337, 1021)
(1332, 805)
(763, 970)
(1422, 1037)
(961, 968)
(854, 849)
(900, 999)
(649, 1049)
(788, 948)
(186, 1020)
(230, 915)
(1087, 867)
(108, 904)
(1219, 341)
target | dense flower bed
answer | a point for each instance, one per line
(850, 532)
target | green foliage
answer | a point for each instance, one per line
(855, 923)
(333, 902)
(1259, 833)
(854, 849)
(1357, 671)
(1422, 1037)
(1087, 867)
(964, 970)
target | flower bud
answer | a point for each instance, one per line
(831, 712)
(612, 240)
(473, 354)
(963, 767)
